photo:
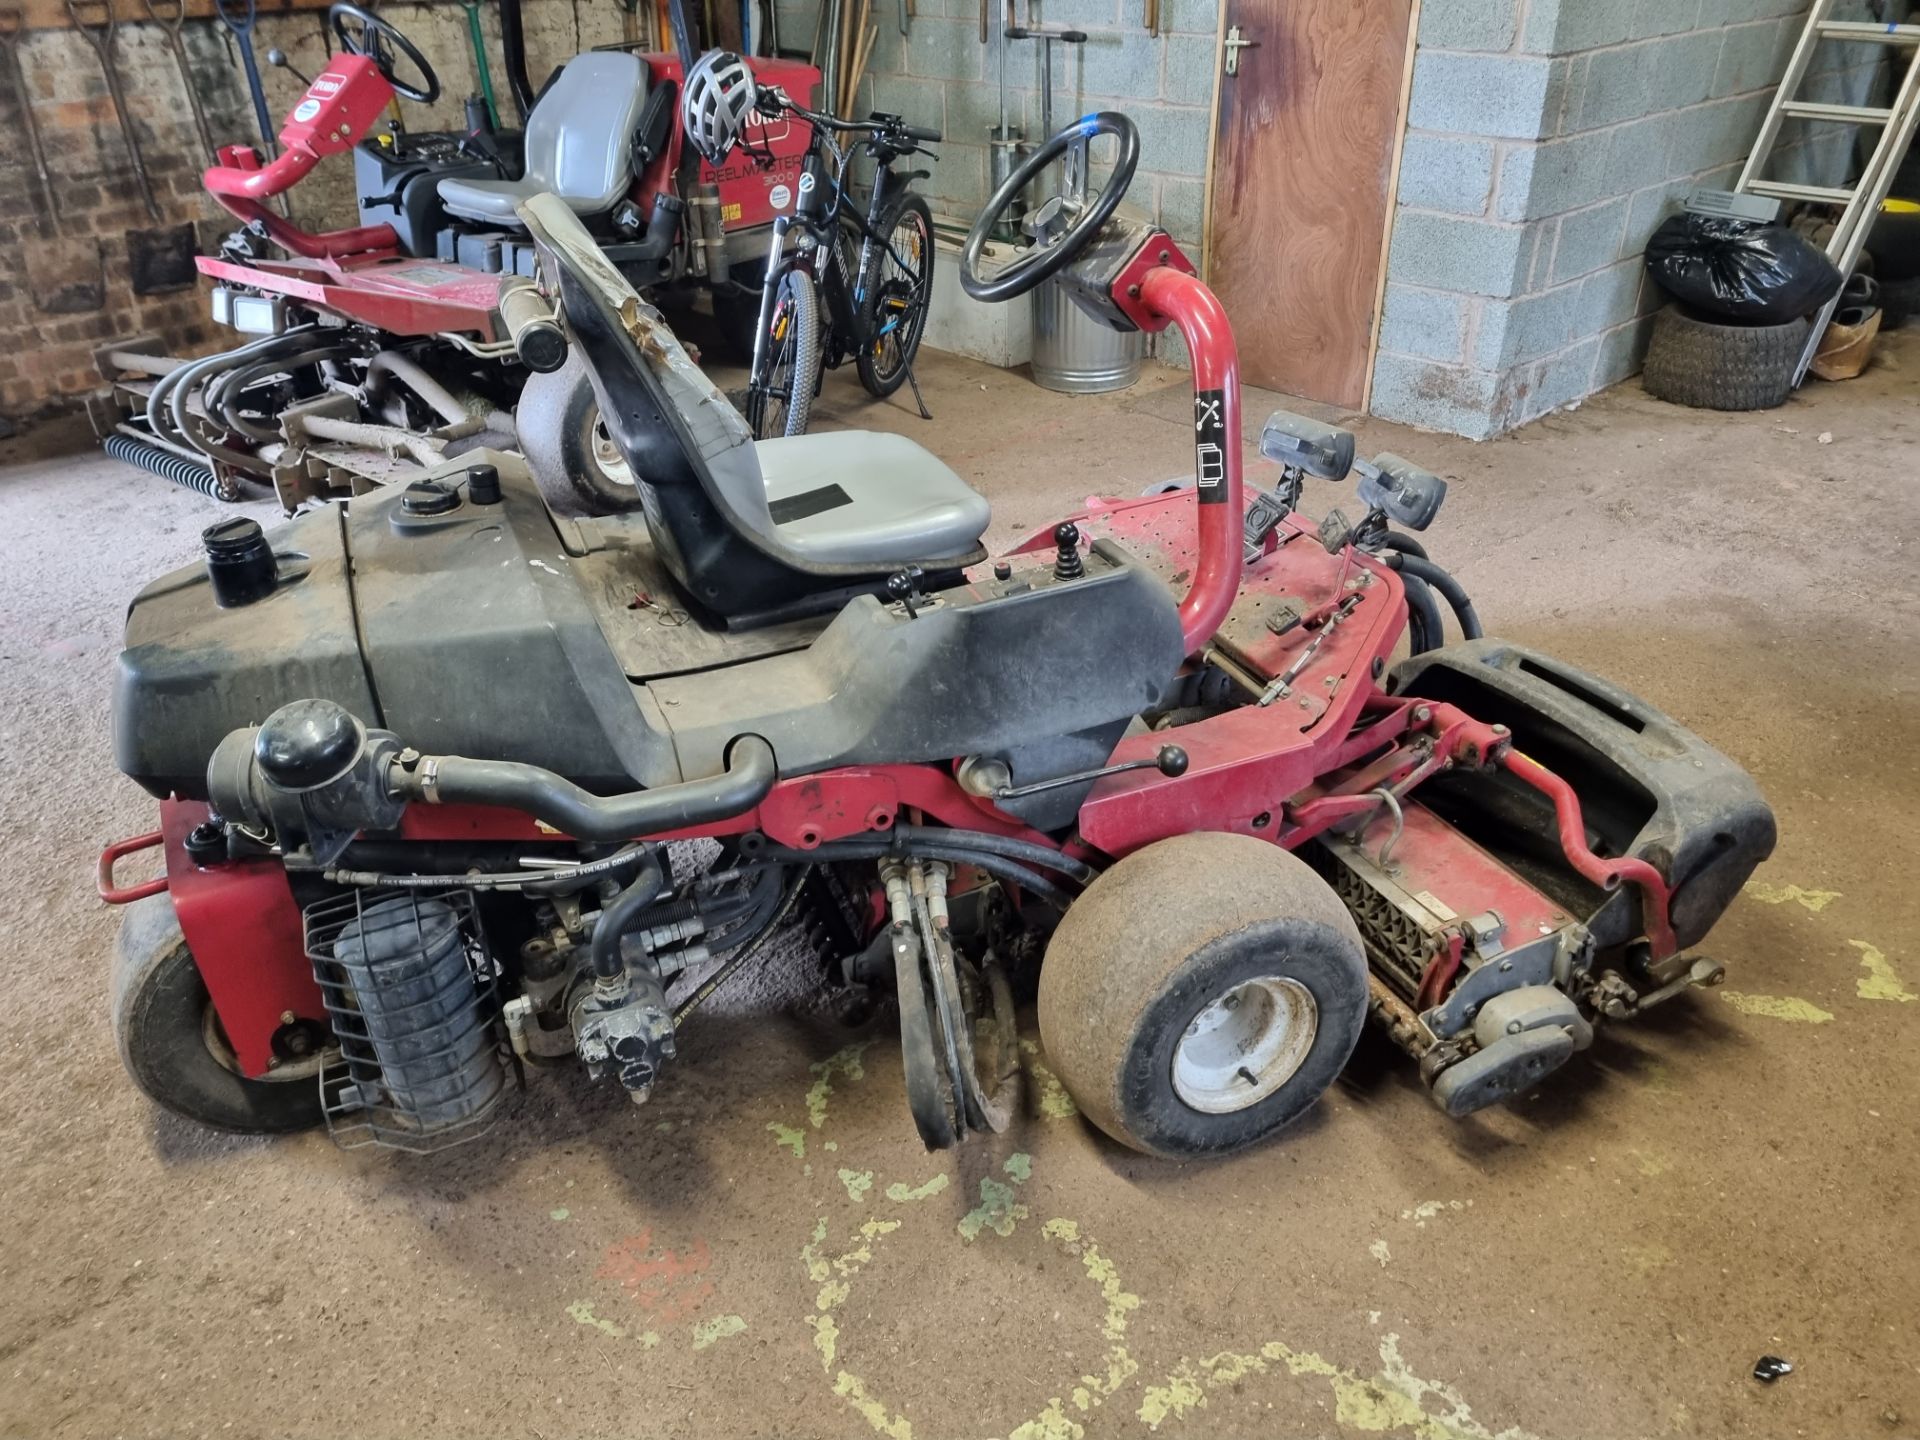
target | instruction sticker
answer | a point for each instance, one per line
(780, 196)
(1210, 445)
(306, 110)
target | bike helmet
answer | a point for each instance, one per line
(715, 102)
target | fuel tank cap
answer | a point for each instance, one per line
(429, 497)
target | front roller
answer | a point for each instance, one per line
(1202, 994)
(172, 1044)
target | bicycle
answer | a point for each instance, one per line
(879, 317)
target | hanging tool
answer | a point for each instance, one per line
(629, 25)
(238, 16)
(1153, 17)
(479, 40)
(171, 16)
(1076, 163)
(1004, 141)
(12, 27)
(101, 37)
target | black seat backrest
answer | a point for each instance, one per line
(690, 452)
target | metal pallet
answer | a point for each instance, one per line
(1860, 202)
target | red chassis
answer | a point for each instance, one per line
(361, 273)
(1289, 725)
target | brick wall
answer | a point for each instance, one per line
(941, 75)
(65, 284)
(1546, 140)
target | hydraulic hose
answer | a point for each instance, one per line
(1026, 851)
(1449, 588)
(1405, 544)
(959, 853)
(1425, 630)
(456, 780)
(621, 916)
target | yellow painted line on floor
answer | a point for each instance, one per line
(1882, 981)
(712, 1332)
(1776, 1007)
(1813, 900)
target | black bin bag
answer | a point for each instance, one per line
(1739, 271)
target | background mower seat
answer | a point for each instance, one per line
(579, 143)
(866, 497)
(750, 531)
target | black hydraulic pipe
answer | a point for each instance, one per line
(620, 917)
(1025, 851)
(877, 848)
(1449, 588)
(513, 50)
(1425, 629)
(456, 780)
(1405, 543)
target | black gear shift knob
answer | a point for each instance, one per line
(1067, 564)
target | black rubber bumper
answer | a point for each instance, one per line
(1648, 786)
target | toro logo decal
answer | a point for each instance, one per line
(326, 85)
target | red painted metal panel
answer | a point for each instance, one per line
(243, 927)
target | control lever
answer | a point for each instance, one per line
(1171, 761)
(277, 58)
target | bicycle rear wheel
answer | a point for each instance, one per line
(894, 296)
(781, 404)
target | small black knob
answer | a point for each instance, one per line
(483, 484)
(206, 844)
(1067, 564)
(1002, 570)
(1172, 760)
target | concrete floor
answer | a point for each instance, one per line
(766, 1251)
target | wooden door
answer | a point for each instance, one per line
(1302, 167)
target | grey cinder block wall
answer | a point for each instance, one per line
(1546, 140)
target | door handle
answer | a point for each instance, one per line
(1234, 44)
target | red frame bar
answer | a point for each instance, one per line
(114, 895)
(1607, 874)
(1197, 313)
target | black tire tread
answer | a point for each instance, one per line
(1710, 366)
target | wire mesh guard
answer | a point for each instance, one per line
(410, 991)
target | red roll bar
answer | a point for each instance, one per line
(1183, 299)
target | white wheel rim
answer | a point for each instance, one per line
(607, 455)
(1245, 1044)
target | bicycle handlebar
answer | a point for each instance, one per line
(875, 125)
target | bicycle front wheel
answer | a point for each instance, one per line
(894, 295)
(779, 403)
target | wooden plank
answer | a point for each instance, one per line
(1393, 202)
(1205, 257)
(52, 14)
(1307, 134)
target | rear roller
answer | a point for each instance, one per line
(1202, 994)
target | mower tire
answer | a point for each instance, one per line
(572, 457)
(1711, 366)
(172, 1045)
(1202, 994)
(1899, 302)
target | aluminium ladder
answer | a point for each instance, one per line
(1861, 201)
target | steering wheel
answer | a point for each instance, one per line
(1050, 257)
(371, 39)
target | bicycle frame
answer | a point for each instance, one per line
(822, 217)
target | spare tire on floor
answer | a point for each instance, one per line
(1722, 367)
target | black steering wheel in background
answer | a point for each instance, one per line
(371, 39)
(1050, 257)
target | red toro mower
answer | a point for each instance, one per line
(387, 347)
(421, 767)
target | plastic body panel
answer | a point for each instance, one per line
(1648, 786)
